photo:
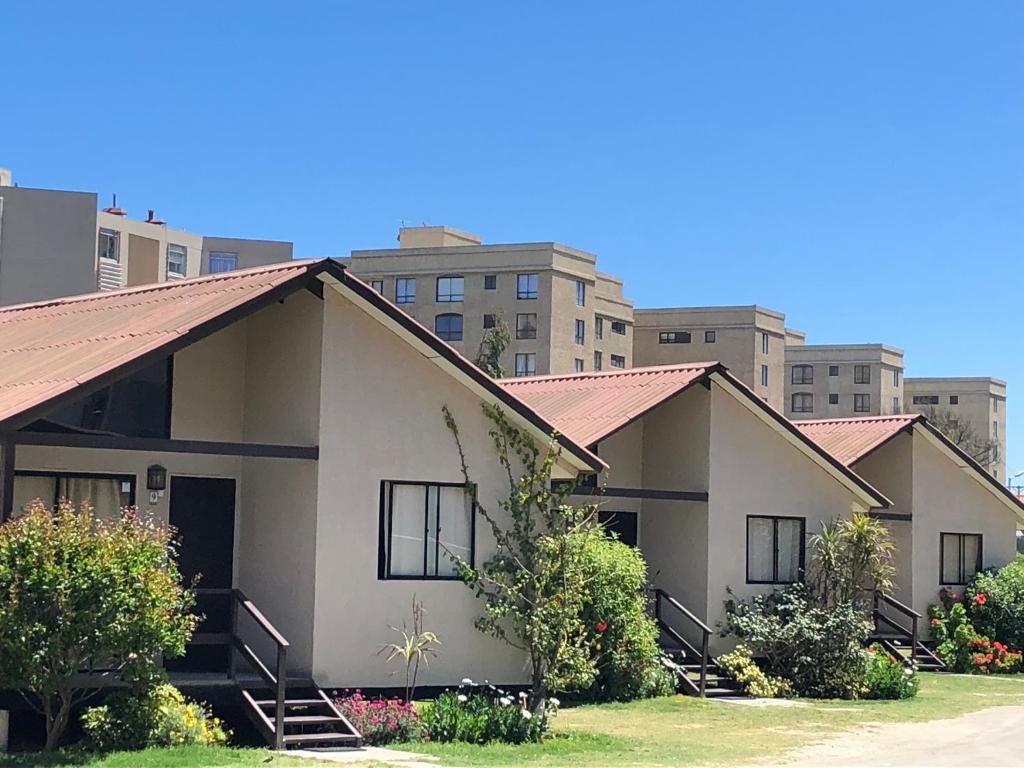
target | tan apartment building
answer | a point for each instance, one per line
(830, 381)
(55, 243)
(750, 341)
(979, 401)
(563, 315)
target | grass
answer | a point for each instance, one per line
(683, 730)
(178, 757)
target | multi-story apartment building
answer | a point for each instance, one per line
(750, 341)
(563, 315)
(978, 401)
(55, 243)
(842, 380)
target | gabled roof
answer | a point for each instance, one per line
(57, 351)
(591, 407)
(850, 440)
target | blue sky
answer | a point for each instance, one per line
(857, 165)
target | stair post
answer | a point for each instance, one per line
(703, 663)
(282, 678)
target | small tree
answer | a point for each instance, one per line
(417, 647)
(533, 586)
(851, 560)
(83, 596)
(492, 346)
(962, 433)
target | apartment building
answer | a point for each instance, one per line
(564, 316)
(979, 401)
(56, 243)
(830, 381)
(749, 340)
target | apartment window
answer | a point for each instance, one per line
(488, 321)
(764, 342)
(619, 327)
(577, 365)
(802, 402)
(110, 244)
(802, 374)
(490, 282)
(995, 431)
(423, 527)
(833, 399)
(775, 549)
(448, 327)
(405, 290)
(581, 293)
(451, 289)
(526, 286)
(223, 261)
(526, 364)
(709, 337)
(526, 326)
(597, 360)
(927, 400)
(953, 399)
(833, 370)
(674, 337)
(177, 259)
(995, 406)
(581, 332)
(598, 328)
(618, 361)
(862, 374)
(764, 375)
(861, 403)
(895, 377)
(896, 405)
(959, 557)
(108, 494)
(378, 286)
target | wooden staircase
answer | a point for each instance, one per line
(896, 630)
(697, 673)
(297, 718)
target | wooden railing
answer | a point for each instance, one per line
(663, 600)
(881, 599)
(276, 680)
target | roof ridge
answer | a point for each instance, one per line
(861, 419)
(609, 374)
(162, 286)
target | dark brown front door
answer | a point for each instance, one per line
(203, 512)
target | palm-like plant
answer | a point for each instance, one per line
(417, 647)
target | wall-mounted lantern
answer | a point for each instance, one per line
(156, 478)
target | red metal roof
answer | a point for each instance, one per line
(588, 407)
(850, 440)
(51, 347)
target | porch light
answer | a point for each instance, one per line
(156, 478)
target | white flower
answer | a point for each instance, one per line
(505, 701)
(526, 714)
(908, 671)
(463, 698)
(467, 681)
(555, 702)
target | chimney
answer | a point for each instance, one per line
(151, 219)
(5, 177)
(114, 209)
(434, 237)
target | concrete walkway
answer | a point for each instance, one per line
(377, 755)
(986, 738)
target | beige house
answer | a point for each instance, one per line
(840, 380)
(979, 401)
(259, 412)
(562, 313)
(750, 341)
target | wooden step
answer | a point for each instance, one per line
(301, 739)
(309, 719)
(293, 703)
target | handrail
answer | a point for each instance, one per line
(910, 613)
(705, 630)
(903, 608)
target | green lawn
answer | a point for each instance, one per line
(179, 757)
(683, 730)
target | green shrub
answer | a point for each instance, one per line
(818, 650)
(995, 603)
(962, 648)
(886, 677)
(161, 718)
(623, 636)
(482, 714)
(741, 667)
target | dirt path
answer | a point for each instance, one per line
(986, 738)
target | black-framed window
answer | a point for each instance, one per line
(953, 399)
(489, 321)
(862, 374)
(833, 370)
(598, 328)
(618, 361)
(764, 342)
(928, 400)
(378, 286)
(619, 327)
(861, 403)
(422, 526)
(959, 557)
(451, 288)
(802, 374)
(764, 375)
(622, 524)
(490, 282)
(527, 286)
(776, 547)
(580, 335)
(526, 325)
(581, 293)
(577, 364)
(108, 494)
(109, 244)
(802, 402)
(448, 326)
(597, 360)
(895, 377)
(833, 398)
(526, 363)
(405, 290)
(710, 337)
(674, 337)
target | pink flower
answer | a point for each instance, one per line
(601, 626)
(980, 598)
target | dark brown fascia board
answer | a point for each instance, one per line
(162, 445)
(366, 293)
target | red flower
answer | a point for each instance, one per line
(988, 657)
(935, 622)
(601, 626)
(952, 595)
(980, 598)
(871, 649)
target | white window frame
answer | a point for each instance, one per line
(111, 235)
(184, 260)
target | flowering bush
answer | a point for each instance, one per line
(380, 721)
(995, 603)
(741, 667)
(961, 647)
(481, 714)
(886, 677)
